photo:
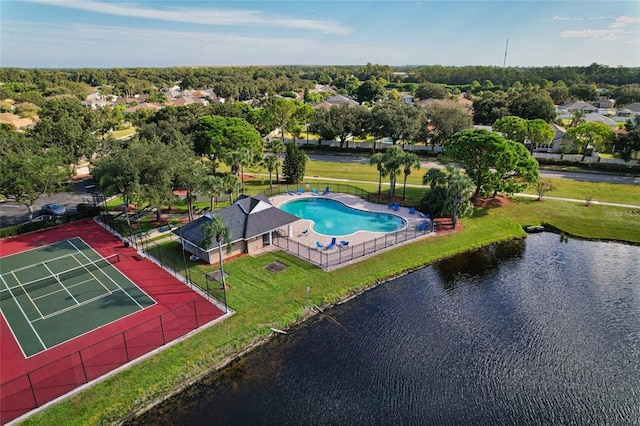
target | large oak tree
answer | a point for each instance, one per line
(493, 163)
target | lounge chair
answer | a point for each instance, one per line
(326, 191)
(314, 191)
(331, 245)
(343, 244)
(412, 210)
(390, 206)
(300, 191)
(396, 206)
(305, 232)
(319, 245)
(421, 226)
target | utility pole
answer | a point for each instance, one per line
(504, 63)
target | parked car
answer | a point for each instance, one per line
(53, 209)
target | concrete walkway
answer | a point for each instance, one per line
(575, 200)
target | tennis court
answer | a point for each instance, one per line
(55, 293)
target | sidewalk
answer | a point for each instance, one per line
(583, 201)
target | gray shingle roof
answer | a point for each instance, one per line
(247, 218)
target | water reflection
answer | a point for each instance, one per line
(546, 335)
(464, 269)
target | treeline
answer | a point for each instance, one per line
(242, 83)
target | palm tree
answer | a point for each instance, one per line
(216, 229)
(238, 160)
(578, 118)
(409, 161)
(277, 147)
(214, 186)
(378, 160)
(459, 191)
(434, 177)
(231, 184)
(392, 163)
(270, 162)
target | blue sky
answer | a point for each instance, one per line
(106, 34)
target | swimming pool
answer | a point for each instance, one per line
(333, 218)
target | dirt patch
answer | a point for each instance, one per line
(166, 219)
(491, 202)
(276, 267)
(121, 208)
(216, 275)
(444, 226)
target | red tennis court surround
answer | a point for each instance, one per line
(62, 368)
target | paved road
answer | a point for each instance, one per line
(581, 176)
(12, 213)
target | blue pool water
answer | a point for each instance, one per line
(333, 218)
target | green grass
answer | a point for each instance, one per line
(596, 191)
(263, 300)
(124, 133)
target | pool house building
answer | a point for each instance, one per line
(252, 224)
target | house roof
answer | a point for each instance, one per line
(247, 218)
(635, 107)
(144, 105)
(560, 132)
(341, 100)
(599, 118)
(15, 120)
(578, 106)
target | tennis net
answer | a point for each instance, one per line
(7, 293)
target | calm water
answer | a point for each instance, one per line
(533, 333)
(333, 218)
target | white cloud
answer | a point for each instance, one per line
(615, 31)
(564, 18)
(623, 21)
(592, 34)
(56, 45)
(202, 16)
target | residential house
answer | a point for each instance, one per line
(322, 88)
(628, 111)
(98, 100)
(336, 100)
(604, 103)
(15, 120)
(252, 222)
(578, 106)
(556, 143)
(426, 102)
(593, 117)
(142, 106)
(407, 99)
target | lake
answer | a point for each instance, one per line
(527, 332)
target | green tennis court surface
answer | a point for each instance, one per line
(57, 292)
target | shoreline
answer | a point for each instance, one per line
(232, 340)
(309, 313)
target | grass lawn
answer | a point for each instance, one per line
(124, 133)
(263, 300)
(596, 191)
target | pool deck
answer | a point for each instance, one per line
(352, 201)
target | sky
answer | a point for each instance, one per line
(145, 33)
